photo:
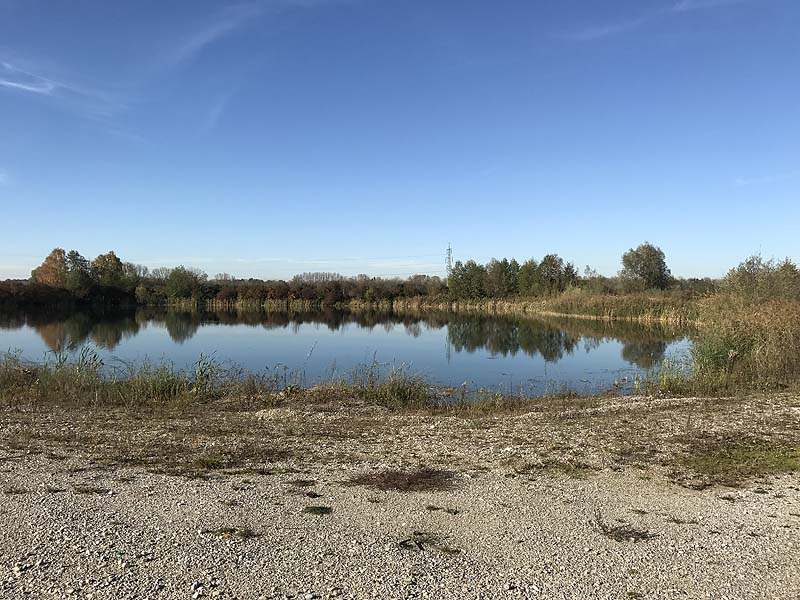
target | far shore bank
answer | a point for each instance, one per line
(634, 308)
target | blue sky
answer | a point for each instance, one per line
(267, 138)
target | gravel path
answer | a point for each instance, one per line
(72, 531)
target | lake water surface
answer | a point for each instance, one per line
(533, 356)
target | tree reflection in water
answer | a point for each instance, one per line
(552, 339)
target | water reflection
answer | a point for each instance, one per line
(62, 332)
(551, 339)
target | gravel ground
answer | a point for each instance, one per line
(73, 531)
(581, 498)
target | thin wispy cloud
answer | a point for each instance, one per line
(216, 111)
(185, 260)
(91, 102)
(689, 5)
(25, 76)
(609, 29)
(765, 179)
(19, 79)
(230, 20)
(605, 30)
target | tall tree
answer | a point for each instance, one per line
(646, 265)
(502, 278)
(53, 270)
(79, 273)
(529, 284)
(551, 274)
(466, 280)
(132, 275)
(184, 282)
(108, 270)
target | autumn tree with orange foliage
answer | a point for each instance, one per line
(53, 271)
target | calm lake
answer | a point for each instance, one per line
(532, 356)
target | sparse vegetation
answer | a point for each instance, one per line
(732, 462)
(217, 432)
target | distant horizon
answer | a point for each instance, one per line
(269, 137)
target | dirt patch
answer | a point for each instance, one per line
(422, 479)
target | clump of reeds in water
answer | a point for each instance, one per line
(739, 347)
(744, 344)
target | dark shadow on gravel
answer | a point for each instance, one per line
(422, 479)
(304, 482)
(420, 541)
(449, 511)
(318, 510)
(624, 532)
(229, 532)
(90, 489)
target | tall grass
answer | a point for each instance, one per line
(749, 344)
(87, 380)
(397, 388)
(739, 347)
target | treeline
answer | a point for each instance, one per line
(68, 277)
(316, 288)
(644, 268)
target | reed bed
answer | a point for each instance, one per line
(574, 303)
(739, 347)
(282, 305)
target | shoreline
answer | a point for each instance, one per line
(666, 314)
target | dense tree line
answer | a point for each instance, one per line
(65, 277)
(504, 278)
